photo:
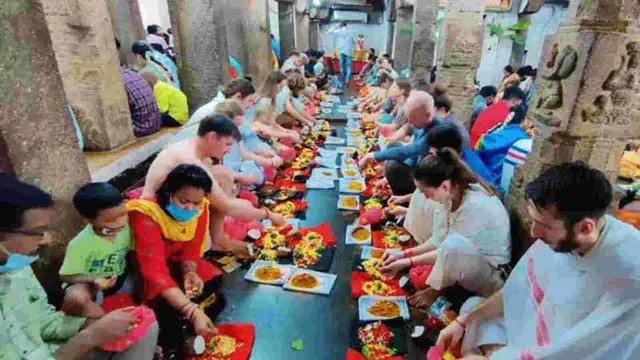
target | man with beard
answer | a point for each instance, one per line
(575, 294)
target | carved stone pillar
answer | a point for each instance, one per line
(302, 25)
(460, 52)
(423, 42)
(84, 45)
(201, 43)
(403, 37)
(586, 104)
(286, 17)
(127, 25)
(314, 34)
(37, 140)
(391, 26)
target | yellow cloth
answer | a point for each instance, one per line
(171, 100)
(275, 64)
(172, 229)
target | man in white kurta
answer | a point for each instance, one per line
(575, 296)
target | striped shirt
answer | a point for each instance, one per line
(516, 156)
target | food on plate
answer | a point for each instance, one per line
(355, 133)
(377, 287)
(349, 172)
(220, 347)
(349, 202)
(377, 253)
(272, 240)
(268, 273)
(304, 281)
(361, 234)
(392, 235)
(372, 267)
(309, 250)
(287, 209)
(285, 193)
(355, 186)
(349, 150)
(267, 255)
(373, 203)
(327, 173)
(385, 309)
(376, 341)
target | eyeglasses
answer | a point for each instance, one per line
(26, 232)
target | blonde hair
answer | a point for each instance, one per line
(231, 108)
(264, 112)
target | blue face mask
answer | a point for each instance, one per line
(16, 262)
(181, 214)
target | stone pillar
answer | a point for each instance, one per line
(235, 29)
(302, 25)
(314, 34)
(586, 103)
(257, 40)
(127, 25)
(461, 50)
(403, 37)
(84, 45)
(39, 142)
(286, 16)
(423, 42)
(391, 26)
(201, 43)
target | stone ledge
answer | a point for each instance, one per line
(105, 165)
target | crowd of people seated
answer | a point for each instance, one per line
(574, 293)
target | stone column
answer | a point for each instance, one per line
(302, 25)
(314, 34)
(423, 42)
(461, 50)
(586, 102)
(391, 25)
(127, 25)
(39, 142)
(84, 45)
(235, 29)
(201, 43)
(286, 9)
(257, 40)
(403, 37)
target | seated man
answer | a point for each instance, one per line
(485, 98)
(96, 259)
(496, 114)
(31, 328)
(215, 137)
(142, 104)
(171, 101)
(575, 293)
(399, 160)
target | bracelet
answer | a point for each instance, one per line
(410, 261)
(266, 214)
(464, 326)
(407, 253)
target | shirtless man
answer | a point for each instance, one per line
(215, 136)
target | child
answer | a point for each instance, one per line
(96, 259)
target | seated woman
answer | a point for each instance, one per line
(378, 93)
(265, 125)
(289, 109)
(393, 117)
(170, 234)
(247, 166)
(469, 238)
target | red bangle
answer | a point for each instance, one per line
(464, 326)
(407, 253)
(411, 261)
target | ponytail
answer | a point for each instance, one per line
(446, 164)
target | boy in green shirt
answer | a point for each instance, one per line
(96, 259)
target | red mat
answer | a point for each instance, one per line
(358, 278)
(323, 229)
(355, 355)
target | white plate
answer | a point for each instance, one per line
(349, 240)
(332, 140)
(346, 150)
(327, 153)
(366, 301)
(326, 104)
(326, 162)
(354, 114)
(357, 208)
(319, 174)
(367, 250)
(356, 140)
(286, 271)
(343, 162)
(326, 282)
(345, 182)
(344, 167)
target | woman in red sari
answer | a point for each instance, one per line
(170, 233)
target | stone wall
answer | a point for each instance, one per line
(586, 103)
(201, 42)
(286, 17)
(257, 40)
(402, 37)
(460, 53)
(423, 43)
(39, 143)
(302, 31)
(84, 45)
(127, 25)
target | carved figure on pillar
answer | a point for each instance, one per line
(562, 65)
